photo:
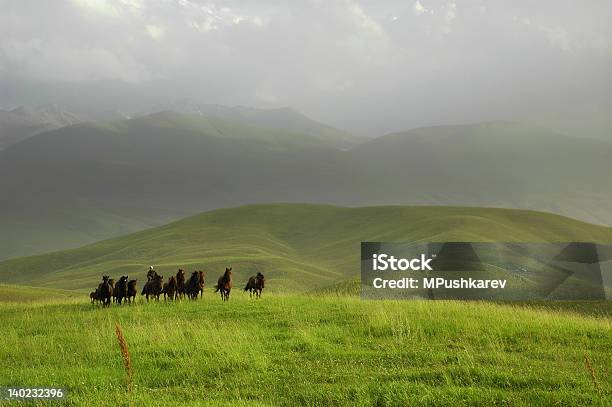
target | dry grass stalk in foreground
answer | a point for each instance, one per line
(125, 355)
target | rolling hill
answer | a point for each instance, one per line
(91, 181)
(299, 247)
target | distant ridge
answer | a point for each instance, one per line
(285, 118)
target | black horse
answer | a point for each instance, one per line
(191, 286)
(131, 291)
(121, 289)
(105, 292)
(153, 287)
(181, 286)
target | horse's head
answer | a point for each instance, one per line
(228, 271)
(105, 278)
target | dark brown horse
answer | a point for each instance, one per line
(192, 287)
(224, 284)
(131, 291)
(93, 296)
(170, 289)
(201, 282)
(153, 287)
(180, 283)
(105, 292)
(255, 285)
(111, 281)
(121, 289)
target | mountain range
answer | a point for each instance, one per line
(286, 118)
(93, 180)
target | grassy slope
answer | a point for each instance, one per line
(298, 247)
(60, 227)
(291, 350)
(19, 294)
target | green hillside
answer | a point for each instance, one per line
(298, 247)
(20, 294)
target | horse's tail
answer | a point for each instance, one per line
(144, 289)
(217, 288)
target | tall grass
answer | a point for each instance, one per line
(316, 351)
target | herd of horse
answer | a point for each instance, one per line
(176, 288)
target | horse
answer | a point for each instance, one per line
(192, 287)
(121, 289)
(224, 284)
(131, 291)
(105, 292)
(111, 281)
(153, 287)
(180, 283)
(169, 289)
(202, 276)
(94, 296)
(255, 285)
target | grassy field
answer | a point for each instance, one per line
(312, 350)
(310, 340)
(18, 294)
(298, 247)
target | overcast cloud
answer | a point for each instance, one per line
(370, 66)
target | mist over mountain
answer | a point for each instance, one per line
(88, 181)
(22, 122)
(285, 118)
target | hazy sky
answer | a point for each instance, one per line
(369, 66)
